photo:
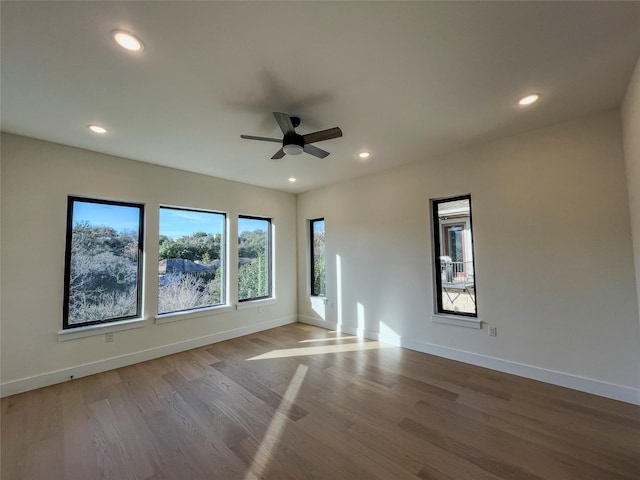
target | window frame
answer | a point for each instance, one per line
(71, 200)
(312, 272)
(437, 228)
(268, 258)
(223, 263)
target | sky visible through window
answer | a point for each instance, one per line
(179, 223)
(175, 223)
(250, 224)
(318, 227)
(118, 217)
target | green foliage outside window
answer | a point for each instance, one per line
(253, 260)
(252, 279)
(102, 264)
(103, 279)
(190, 266)
(197, 247)
(318, 255)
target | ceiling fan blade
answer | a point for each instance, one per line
(284, 121)
(322, 135)
(279, 154)
(315, 151)
(266, 139)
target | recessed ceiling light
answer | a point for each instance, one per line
(127, 40)
(364, 154)
(97, 129)
(529, 99)
(292, 179)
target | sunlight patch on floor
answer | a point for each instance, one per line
(271, 440)
(321, 349)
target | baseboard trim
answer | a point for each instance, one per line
(575, 382)
(63, 375)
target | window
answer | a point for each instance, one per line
(317, 257)
(254, 258)
(453, 248)
(191, 260)
(103, 262)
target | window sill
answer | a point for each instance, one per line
(185, 315)
(256, 303)
(89, 331)
(459, 321)
(317, 300)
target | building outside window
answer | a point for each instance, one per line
(317, 257)
(191, 254)
(453, 247)
(254, 258)
(103, 262)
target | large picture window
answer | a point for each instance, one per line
(191, 258)
(103, 262)
(453, 248)
(254, 258)
(317, 257)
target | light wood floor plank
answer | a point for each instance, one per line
(300, 402)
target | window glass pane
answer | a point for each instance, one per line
(318, 283)
(254, 258)
(456, 289)
(103, 268)
(453, 246)
(191, 259)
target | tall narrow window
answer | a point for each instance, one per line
(191, 258)
(453, 247)
(317, 257)
(103, 262)
(254, 258)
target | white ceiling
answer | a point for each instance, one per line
(404, 81)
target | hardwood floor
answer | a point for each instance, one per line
(299, 402)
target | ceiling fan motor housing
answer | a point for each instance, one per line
(293, 144)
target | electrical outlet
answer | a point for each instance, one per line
(493, 331)
(108, 337)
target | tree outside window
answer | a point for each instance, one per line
(254, 258)
(191, 259)
(103, 268)
(317, 257)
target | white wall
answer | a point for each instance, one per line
(553, 252)
(36, 179)
(631, 136)
(554, 261)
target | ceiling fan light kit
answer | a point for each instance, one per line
(292, 149)
(294, 143)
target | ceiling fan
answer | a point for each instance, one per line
(294, 143)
